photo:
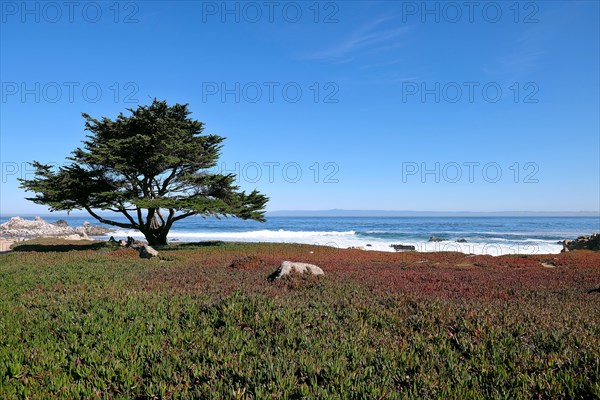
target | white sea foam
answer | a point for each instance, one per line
(346, 239)
(262, 234)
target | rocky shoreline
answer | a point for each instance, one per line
(20, 228)
(591, 242)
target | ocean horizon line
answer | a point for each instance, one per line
(412, 213)
(355, 213)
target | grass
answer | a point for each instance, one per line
(81, 320)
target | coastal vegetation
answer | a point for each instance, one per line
(153, 168)
(92, 320)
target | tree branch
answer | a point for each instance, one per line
(140, 216)
(108, 222)
(163, 190)
(162, 219)
(170, 220)
(125, 213)
(182, 216)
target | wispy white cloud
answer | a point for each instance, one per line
(524, 57)
(369, 38)
(534, 42)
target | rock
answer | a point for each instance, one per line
(356, 248)
(92, 230)
(130, 242)
(19, 227)
(287, 267)
(435, 239)
(548, 265)
(134, 244)
(461, 240)
(368, 244)
(582, 243)
(403, 247)
(147, 251)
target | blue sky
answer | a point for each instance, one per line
(350, 105)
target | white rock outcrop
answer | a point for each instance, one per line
(92, 230)
(19, 227)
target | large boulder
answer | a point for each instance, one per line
(289, 267)
(582, 243)
(435, 239)
(147, 251)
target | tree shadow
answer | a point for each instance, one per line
(57, 248)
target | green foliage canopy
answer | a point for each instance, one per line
(153, 167)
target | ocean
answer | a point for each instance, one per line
(483, 235)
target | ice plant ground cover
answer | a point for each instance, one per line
(81, 320)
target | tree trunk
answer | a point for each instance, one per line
(156, 239)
